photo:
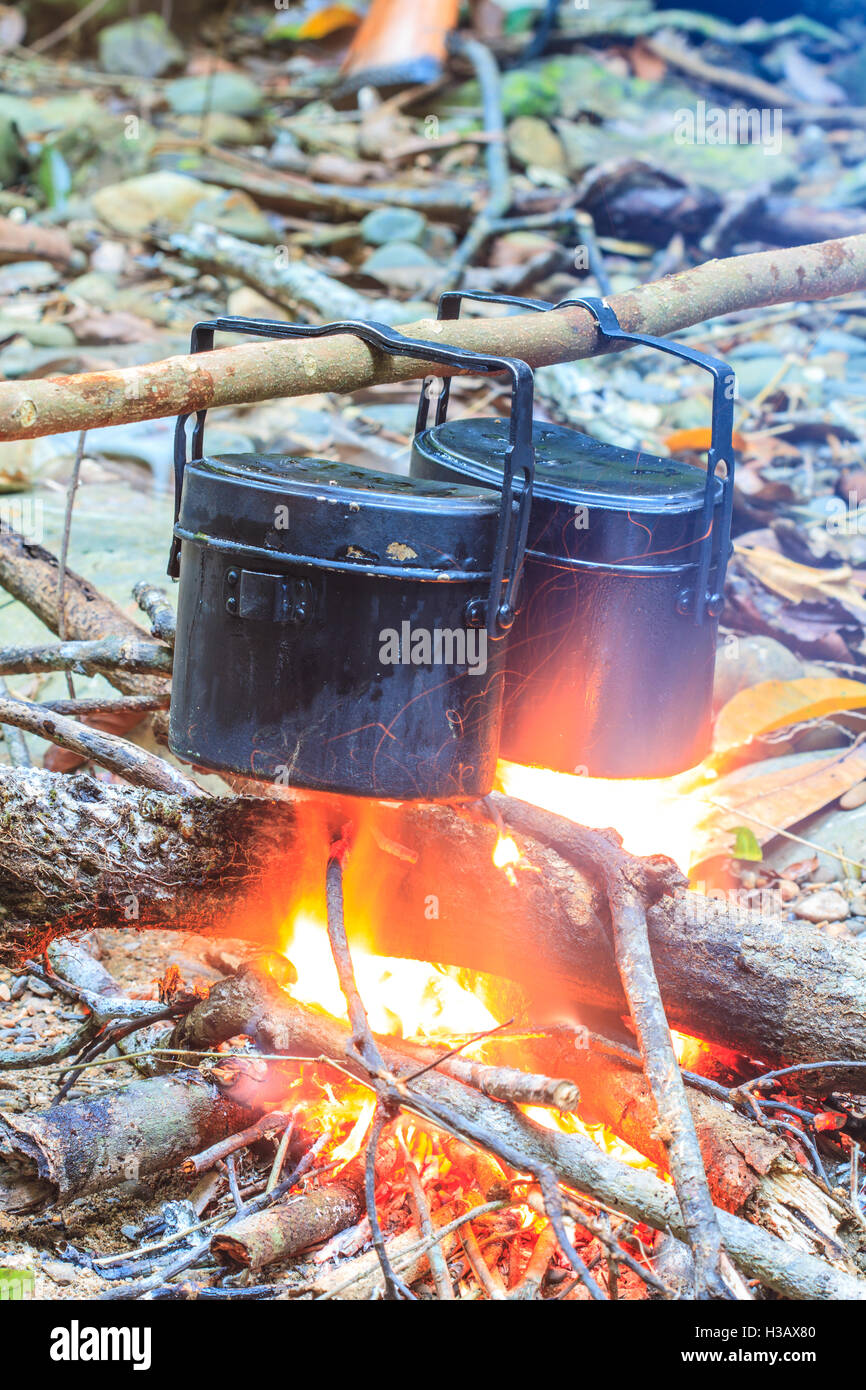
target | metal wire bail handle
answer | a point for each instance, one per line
(498, 612)
(721, 451)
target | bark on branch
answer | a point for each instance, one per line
(259, 371)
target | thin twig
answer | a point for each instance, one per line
(498, 197)
(70, 504)
(280, 1155)
(421, 1212)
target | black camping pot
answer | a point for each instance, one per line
(610, 664)
(341, 629)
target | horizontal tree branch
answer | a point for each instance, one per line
(124, 758)
(260, 371)
(129, 654)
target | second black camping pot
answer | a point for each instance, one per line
(341, 629)
(611, 661)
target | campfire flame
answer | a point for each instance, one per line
(403, 998)
(653, 815)
(424, 1001)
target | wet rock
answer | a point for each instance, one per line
(147, 442)
(143, 47)
(27, 275)
(401, 264)
(228, 92)
(824, 906)
(41, 333)
(247, 303)
(40, 115)
(853, 798)
(742, 662)
(168, 200)
(843, 832)
(532, 144)
(385, 225)
(218, 128)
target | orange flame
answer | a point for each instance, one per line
(653, 815)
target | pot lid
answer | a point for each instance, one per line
(572, 467)
(332, 513)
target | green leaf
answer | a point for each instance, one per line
(745, 844)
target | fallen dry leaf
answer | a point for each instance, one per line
(699, 438)
(802, 583)
(752, 713)
(776, 800)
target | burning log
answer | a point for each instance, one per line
(750, 1170)
(87, 1145)
(726, 974)
(254, 1003)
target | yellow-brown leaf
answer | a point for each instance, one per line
(775, 704)
(775, 800)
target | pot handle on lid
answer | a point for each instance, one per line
(700, 601)
(497, 613)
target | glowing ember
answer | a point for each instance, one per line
(506, 856)
(688, 1050)
(653, 816)
(351, 1145)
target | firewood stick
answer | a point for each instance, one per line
(122, 704)
(154, 602)
(254, 1003)
(423, 1220)
(270, 1124)
(506, 1083)
(539, 1263)
(117, 754)
(83, 1146)
(288, 1227)
(122, 654)
(489, 1279)
(627, 901)
(259, 371)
